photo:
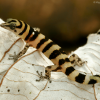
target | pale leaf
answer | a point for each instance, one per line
(18, 80)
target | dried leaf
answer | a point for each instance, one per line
(18, 80)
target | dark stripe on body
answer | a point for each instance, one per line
(42, 41)
(61, 61)
(20, 26)
(80, 78)
(69, 70)
(25, 28)
(48, 46)
(29, 34)
(54, 54)
(92, 81)
(35, 35)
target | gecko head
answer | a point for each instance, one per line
(11, 25)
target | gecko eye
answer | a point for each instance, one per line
(12, 26)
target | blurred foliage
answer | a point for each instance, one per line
(67, 22)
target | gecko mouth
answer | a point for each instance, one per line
(4, 25)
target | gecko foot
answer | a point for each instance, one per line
(41, 77)
(13, 57)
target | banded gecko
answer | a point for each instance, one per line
(54, 52)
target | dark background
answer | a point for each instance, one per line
(66, 22)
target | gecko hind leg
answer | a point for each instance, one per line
(76, 60)
(48, 70)
(41, 77)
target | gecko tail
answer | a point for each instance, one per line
(95, 78)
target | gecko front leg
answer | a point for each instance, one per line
(48, 70)
(16, 56)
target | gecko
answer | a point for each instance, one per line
(62, 63)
